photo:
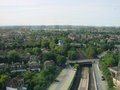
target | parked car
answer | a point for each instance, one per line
(103, 78)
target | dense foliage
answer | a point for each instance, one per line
(29, 46)
(109, 60)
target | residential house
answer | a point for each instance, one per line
(18, 67)
(48, 63)
(115, 73)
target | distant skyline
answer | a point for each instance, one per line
(60, 12)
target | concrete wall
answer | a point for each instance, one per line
(9, 88)
(116, 82)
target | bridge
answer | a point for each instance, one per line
(83, 61)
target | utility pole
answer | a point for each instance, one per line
(118, 67)
(119, 60)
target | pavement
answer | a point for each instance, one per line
(64, 79)
(101, 85)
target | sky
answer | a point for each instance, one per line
(60, 12)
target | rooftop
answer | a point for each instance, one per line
(115, 68)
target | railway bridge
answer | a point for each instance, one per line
(82, 61)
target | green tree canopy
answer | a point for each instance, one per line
(27, 76)
(109, 59)
(45, 43)
(3, 79)
(52, 44)
(59, 50)
(12, 54)
(36, 51)
(43, 79)
(72, 55)
(48, 56)
(76, 65)
(90, 51)
(61, 59)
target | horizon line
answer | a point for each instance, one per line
(59, 25)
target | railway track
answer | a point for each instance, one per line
(84, 81)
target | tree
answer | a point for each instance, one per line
(3, 79)
(76, 65)
(109, 59)
(66, 47)
(65, 40)
(107, 46)
(61, 59)
(72, 55)
(59, 50)
(48, 56)
(99, 50)
(13, 55)
(52, 44)
(45, 43)
(110, 81)
(43, 79)
(90, 51)
(27, 76)
(36, 51)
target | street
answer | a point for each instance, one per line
(101, 85)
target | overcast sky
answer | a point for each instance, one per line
(60, 12)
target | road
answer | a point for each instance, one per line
(97, 77)
(99, 83)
